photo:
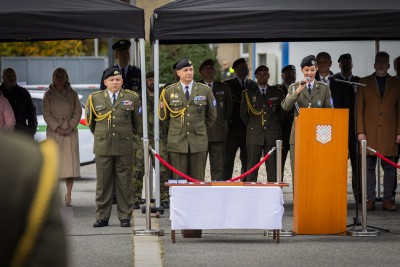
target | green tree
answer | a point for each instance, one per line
(170, 54)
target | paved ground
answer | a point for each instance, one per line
(116, 246)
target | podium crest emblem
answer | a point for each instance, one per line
(324, 133)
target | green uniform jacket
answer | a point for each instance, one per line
(115, 137)
(264, 128)
(320, 98)
(189, 130)
(222, 94)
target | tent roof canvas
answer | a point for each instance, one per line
(213, 21)
(69, 19)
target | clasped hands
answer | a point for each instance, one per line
(65, 132)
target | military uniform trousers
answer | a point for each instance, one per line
(254, 154)
(216, 150)
(191, 164)
(114, 170)
(232, 145)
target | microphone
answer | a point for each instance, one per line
(303, 82)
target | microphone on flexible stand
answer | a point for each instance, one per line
(344, 81)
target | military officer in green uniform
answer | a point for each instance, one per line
(113, 116)
(217, 133)
(138, 167)
(191, 109)
(262, 114)
(307, 93)
(31, 231)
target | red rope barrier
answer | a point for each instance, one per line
(251, 170)
(197, 181)
(387, 160)
(175, 170)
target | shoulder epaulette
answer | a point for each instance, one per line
(169, 86)
(131, 91)
(97, 92)
(245, 90)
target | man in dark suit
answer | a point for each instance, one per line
(262, 113)
(344, 96)
(113, 116)
(217, 133)
(288, 75)
(236, 136)
(190, 108)
(130, 74)
(324, 63)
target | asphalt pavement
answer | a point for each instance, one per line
(117, 246)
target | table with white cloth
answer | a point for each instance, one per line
(226, 207)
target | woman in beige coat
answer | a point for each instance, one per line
(62, 112)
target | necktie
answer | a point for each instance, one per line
(187, 92)
(263, 91)
(323, 79)
(210, 85)
(123, 73)
(243, 85)
(114, 98)
(309, 88)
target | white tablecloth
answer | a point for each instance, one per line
(226, 207)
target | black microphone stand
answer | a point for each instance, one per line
(356, 219)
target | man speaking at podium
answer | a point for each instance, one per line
(307, 93)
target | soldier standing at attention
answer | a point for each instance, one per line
(236, 136)
(191, 109)
(261, 112)
(130, 74)
(217, 133)
(113, 116)
(316, 95)
(288, 74)
(138, 166)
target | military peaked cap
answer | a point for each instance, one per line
(206, 62)
(237, 62)
(121, 45)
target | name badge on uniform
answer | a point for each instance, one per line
(254, 99)
(221, 104)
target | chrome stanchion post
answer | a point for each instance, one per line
(148, 231)
(284, 233)
(364, 231)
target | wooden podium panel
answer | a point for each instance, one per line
(320, 171)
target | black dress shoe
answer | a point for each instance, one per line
(100, 223)
(125, 223)
(165, 205)
(136, 206)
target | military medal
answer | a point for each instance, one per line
(254, 98)
(221, 104)
(319, 104)
(176, 95)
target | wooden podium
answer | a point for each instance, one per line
(320, 171)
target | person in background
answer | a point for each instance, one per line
(138, 166)
(217, 133)
(190, 108)
(324, 64)
(396, 65)
(32, 233)
(113, 116)
(62, 112)
(262, 113)
(288, 75)
(307, 93)
(131, 75)
(21, 103)
(378, 114)
(236, 136)
(344, 96)
(7, 119)
(227, 71)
